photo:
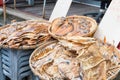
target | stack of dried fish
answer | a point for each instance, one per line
(75, 56)
(26, 33)
(96, 61)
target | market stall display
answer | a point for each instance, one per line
(75, 55)
(17, 41)
(24, 34)
(72, 26)
(98, 61)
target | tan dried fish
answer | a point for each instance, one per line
(81, 40)
(71, 45)
(72, 26)
(25, 33)
(96, 73)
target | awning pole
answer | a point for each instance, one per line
(43, 12)
(4, 12)
(14, 4)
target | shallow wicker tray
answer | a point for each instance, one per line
(57, 20)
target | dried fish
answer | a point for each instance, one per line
(25, 33)
(94, 62)
(76, 55)
(73, 26)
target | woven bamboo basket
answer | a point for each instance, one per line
(110, 75)
(37, 52)
(60, 21)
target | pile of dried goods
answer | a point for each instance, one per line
(25, 33)
(76, 55)
(96, 61)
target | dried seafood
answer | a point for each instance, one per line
(95, 61)
(26, 33)
(56, 62)
(73, 26)
(77, 55)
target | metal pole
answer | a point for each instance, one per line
(14, 4)
(43, 13)
(4, 12)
